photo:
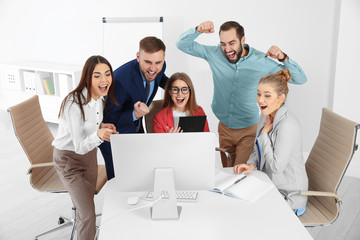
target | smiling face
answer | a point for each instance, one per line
(179, 99)
(150, 63)
(268, 100)
(231, 45)
(100, 80)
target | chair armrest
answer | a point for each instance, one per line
(226, 152)
(321, 194)
(40, 165)
(315, 193)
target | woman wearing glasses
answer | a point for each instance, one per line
(179, 101)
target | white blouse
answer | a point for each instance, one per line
(75, 134)
(177, 114)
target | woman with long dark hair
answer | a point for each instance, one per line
(80, 132)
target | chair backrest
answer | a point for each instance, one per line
(154, 108)
(326, 166)
(31, 130)
(332, 152)
(35, 138)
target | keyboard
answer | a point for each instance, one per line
(181, 196)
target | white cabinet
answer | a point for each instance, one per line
(51, 81)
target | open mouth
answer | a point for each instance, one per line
(263, 107)
(231, 55)
(103, 88)
(180, 100)
(151, 74)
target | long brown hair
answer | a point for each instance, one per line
(191, 105)
(85, 82)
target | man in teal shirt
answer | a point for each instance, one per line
(237, 69)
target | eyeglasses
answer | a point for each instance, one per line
(184, 90)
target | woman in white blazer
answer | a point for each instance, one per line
(278, 145)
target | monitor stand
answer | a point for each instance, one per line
(165, 209)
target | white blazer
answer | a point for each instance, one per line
(281, 155)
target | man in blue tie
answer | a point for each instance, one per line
(135, 86)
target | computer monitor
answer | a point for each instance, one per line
(164, 162)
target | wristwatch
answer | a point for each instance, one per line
(283, 59)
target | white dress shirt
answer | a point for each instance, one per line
(75, 134)
(177, 114)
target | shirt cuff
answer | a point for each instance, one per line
(289, 61)
(134, 118)
(96, 139)
(196, 31)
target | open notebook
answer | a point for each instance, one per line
(245, 187)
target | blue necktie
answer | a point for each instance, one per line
(147, 89)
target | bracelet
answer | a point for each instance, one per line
(283, 59)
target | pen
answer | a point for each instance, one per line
(240, 179)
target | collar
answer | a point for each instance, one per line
(280, 113)
(249, 50)
(92, 102)
(141, 74)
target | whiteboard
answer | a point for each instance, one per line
(121, 37)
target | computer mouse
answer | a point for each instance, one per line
(132, 200)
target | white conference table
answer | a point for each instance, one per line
(213, 216)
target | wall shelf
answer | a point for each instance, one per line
(51, 81)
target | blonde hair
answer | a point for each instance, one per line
(279, 80)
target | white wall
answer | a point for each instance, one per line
(347, 77)
(70, 31)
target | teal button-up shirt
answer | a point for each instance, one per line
(235, 84)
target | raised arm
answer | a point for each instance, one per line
(297, 74)
(187, 44)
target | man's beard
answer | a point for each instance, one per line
(238, 56)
